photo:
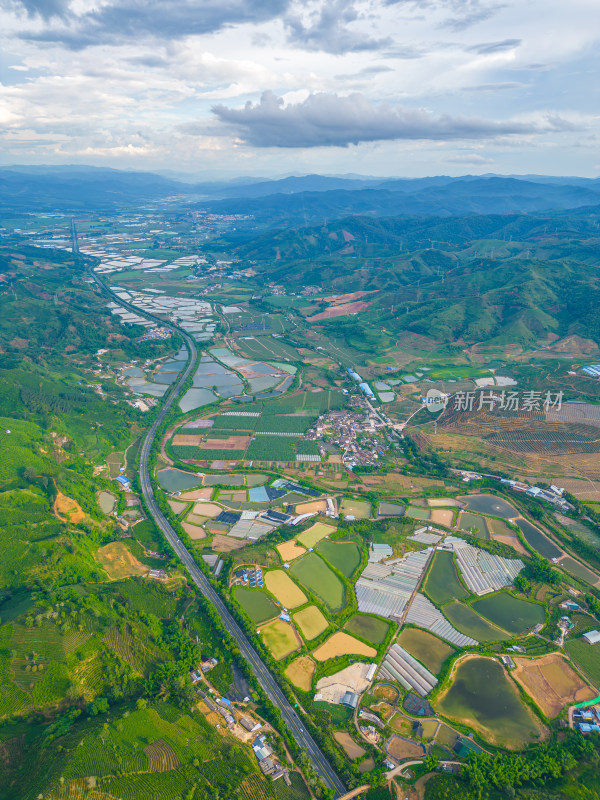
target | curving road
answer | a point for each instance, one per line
(265, 679)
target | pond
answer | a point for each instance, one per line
(537, 540)
(195, 398)
(106, 501)
(176, 480)
(489, 504)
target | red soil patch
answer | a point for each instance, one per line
(339, 311)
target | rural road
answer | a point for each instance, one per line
(265, 679)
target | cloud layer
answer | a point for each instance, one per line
(275, 86)
(329, 120)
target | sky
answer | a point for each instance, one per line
(276, 87)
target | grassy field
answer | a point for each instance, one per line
(359, 509)
(425, 647)
(280, 638)
(344, 556)
(315, 533)
(467, 621)
(370, 628)
(587, 658)
(442, 584)
(311, 622)
(509, 612)
(284, 589)
(314, 573)
(482, 697)
(256, 603)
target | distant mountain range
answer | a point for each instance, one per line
(293, 200)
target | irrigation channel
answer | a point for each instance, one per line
(266, 681)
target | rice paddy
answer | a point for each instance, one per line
(442, 583)
(315, 533)
(509, 612)
(280, 638)
(370, 628)
(471, 624)
(300, 672)
(482, 697)
(311, 622)
(315, 575)
(341, 644)
(344, 556)
(425, 647)
(256, 603)
(283, 588)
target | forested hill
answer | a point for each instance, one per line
(506, 278)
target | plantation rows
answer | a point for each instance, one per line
(556, 439)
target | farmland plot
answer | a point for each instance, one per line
(315, 575)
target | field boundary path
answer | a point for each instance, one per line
(266, 681)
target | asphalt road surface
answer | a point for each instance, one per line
(264, 677)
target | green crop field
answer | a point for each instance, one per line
(344, 556)
(425, 647)
(418, 513)
(256, 603)
(482, 697)
(509, 612)
(442, 583)
(272, 448)
(370, 628)
(587, 658)
(470, 623)
(316, 576)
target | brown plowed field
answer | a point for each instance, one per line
(551, 682)
(339, 311)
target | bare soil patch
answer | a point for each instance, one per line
(207, 509)
(67, 509)
(225, 544)
(290, 550)
(551, 682)
(119, 562)
(198, 494)
(352, 749)
(313, 506)
(400, 748)
(193, 531)
(339, 311)
(442, 516)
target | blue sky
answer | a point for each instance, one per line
(272, 87)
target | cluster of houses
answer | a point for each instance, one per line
(342, 429)
(587, 720)
(264, 753)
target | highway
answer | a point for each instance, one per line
(266, 681)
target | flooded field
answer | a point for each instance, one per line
(489, 504)
(175, 480)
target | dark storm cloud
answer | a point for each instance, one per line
(330, 120)
(494, 47)
(163, 19)
(328, 31)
